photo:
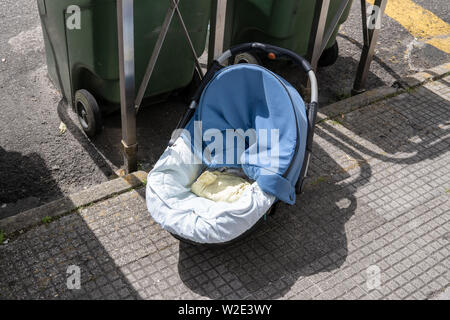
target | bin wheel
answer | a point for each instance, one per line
(329, 56)
(300, 186)
(88, 112)
(187, 93)
(247, 58)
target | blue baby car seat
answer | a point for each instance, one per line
(271, 131)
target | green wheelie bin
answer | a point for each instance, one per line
(83, 57)
(284, 23)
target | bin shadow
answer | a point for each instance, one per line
(413, 124)
(34, 264)
(37, 264)
(375, 59)
(26, 182)
(155, 124)
(97, 156)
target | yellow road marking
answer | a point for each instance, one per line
(421, 23)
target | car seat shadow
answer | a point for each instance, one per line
(298, 241)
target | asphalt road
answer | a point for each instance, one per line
(397, 55)
(39, 164)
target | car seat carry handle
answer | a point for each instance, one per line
(274, 52)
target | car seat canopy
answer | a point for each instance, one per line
(249, 117)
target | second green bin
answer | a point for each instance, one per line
(284, 23)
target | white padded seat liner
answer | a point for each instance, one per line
(172, 204)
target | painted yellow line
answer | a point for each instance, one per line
(421, 23)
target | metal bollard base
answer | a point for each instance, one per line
(355, 92)
(130, 157)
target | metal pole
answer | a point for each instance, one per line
(191, 45)
(334, 23)
(364, 23)
(217, 29)
(157, 50)
(155, 54)
(317, 31)
(369, 48)
(125, 24)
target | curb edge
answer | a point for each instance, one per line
(72, 203)
(381, 93)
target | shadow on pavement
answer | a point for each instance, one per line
(25, 182)
(155, 125)
(297, 241)
(412, 125)
(376, 59)
(97, 157)
(35, 266)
